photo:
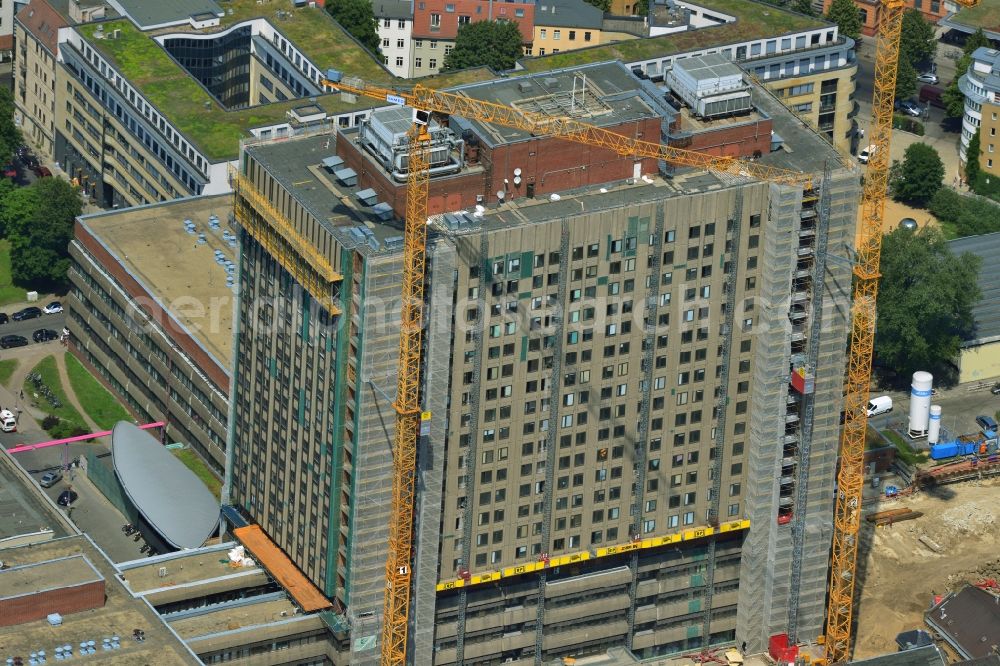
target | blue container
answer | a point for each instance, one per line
(942, 451)
(334, 75)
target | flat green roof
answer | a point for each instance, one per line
(215, 130)
(754, 20)
(985, 15)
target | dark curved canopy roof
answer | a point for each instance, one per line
(168, 495)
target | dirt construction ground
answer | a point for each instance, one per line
(899, 575)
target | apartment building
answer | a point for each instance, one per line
(614, 456)
(982, 105)
(222, 76)
(565, 25)
(395, 29)
(436, 22)
(36, 31)
(150, 313)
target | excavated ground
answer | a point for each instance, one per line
(902, 567)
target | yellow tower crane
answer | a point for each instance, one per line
(850, 476)
(395, 623)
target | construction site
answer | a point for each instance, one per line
(540, 370)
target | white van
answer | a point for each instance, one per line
(8, 423)
(866, 153)
(879, 405)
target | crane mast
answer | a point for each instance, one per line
(396, 606)
(850, 476)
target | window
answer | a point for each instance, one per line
(435, 23)
(572, 35)
(385, 43)
(586, 38)
(418, 62)
(464, 19)
(433, 64)
(399, 61)
(401, 23)
(450, 8)
(556, 34)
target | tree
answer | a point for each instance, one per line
(972, 159)
(846, 16)
(954, 100)
(10, 135)
(641, 7)
(919, 175)
(603, 5)
(38, 221)
(916, 42)
(803, 7)
(925, 304)
(906, 80)
(357, 18)
(495, 44)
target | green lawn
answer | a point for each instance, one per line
(100, 405)
(905, 451)
(50, 376)
(7, 368)
(198, 466)
(8, 292)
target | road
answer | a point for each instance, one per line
(26, 328)
(944, 141)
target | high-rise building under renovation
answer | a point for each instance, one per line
(621, 363)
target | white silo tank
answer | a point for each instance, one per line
(920, 402)
(934, 427)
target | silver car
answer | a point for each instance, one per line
(50, 479)
(928, 77)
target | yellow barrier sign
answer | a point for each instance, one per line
(606, 551)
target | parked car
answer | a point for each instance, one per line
(50, 478)
(10, 171)
(8, 422)
(55, 307)
(67, 497)
(9, 341)
(910, 108)
(986, 423)
(27, 313)
(44, 335)
(866, 153)
(928, 77)
(996, 389)
(42, 171)
(880, 405)
(932, 95)
(4, 318)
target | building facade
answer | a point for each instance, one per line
(436, 22)
(608, 378)
(982, 106)
(395, 29)
(35, 32)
